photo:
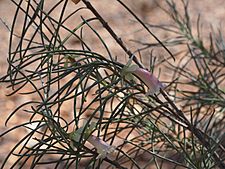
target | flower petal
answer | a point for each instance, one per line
(154, 85)
(103, 148)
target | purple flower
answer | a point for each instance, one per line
(103, 148)
(84, 133)
(154, 85)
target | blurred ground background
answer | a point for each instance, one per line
(212, 12)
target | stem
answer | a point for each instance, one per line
(112, 33)
(197, 132)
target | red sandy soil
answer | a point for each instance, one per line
(212, 12)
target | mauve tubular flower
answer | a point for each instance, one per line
(103, 148)
(154, 85)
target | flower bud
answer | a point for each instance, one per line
(154, 85)
(103, 148)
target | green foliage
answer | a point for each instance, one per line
(42, 64)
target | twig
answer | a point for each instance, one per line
(142, 23)
(112, 33)
(198, 133)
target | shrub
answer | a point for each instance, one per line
(122, 115)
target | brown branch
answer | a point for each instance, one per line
(193, 129)
(112, 33)
(197, 132)
(148, 30)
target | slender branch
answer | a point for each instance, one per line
(112, 33)
(140, 21)
(198, 133)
